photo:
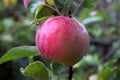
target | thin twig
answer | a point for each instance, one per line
(111, 52)
(70, 73)
(53, 9)
(78, 6)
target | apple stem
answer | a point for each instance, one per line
(70, 73)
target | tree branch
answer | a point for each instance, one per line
(70, 73)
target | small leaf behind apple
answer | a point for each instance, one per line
(37, 71)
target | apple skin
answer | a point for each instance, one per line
(63, 40)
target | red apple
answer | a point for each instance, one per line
(63, 40)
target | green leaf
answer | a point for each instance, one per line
(33, 5)
(106, 74)
(65, 7)
(102, 14)
(39, 20)
(84, 14)
(64, 3)
(51, 2)
(52, 76)
(57, 68)
(19, 52)
(90, 3)
(92, 20)
(43, 11)
(37, 71)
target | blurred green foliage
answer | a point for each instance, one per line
(14, 31)
(103, 61)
